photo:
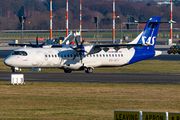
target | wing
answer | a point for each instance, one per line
(16, 44)
(97, 48)
(29, 45)
(120, 45)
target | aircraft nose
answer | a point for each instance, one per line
(8, 62)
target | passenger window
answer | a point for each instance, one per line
(103, 55)
(121, 55)
(106, 55)
(97, 55)
(52, 56)
(115, 55)
(64, 55)
(112, 55)
(67, 55)
(93, 55)
(109, 55)
(55, 55)
(49, 55)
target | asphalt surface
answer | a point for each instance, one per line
(97, 77)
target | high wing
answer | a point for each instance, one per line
(120, 45)
(29, 45)
(66, 41)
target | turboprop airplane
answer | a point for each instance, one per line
(87, 57)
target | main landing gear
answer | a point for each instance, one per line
(67, 71)
(89, 70)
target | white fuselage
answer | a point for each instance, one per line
(63, 58)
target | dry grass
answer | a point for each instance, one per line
(57, 100)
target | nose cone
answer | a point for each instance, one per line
(7, 61)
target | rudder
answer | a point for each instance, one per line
(150, 32)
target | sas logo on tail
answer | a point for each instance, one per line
(148, 40)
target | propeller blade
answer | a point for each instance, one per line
(74, 57)
(42, 44)
(81, 58)
(83, 51)
(82, 43)
(76, 42)
(30, 43)
(71, 47)
(37, 41)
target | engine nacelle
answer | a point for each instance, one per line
(87, 48)
(77, 66)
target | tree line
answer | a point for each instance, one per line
(37, 13)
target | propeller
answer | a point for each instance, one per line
(78, 49)
(37, 41)
(37, 44)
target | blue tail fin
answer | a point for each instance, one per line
(149, 34)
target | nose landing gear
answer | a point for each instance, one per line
(15, 69)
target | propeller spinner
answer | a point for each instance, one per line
(79, 49)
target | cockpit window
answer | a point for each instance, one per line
(22, 53)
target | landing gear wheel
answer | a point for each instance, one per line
(13, 69)
(67, 71)
(89, 70)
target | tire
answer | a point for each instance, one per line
(67, 71)
(13, 69)
(89, 70)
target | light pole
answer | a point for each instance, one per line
(96, 21)
(113, 37)
(22, 24)
(128, 23)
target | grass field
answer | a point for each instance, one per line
(82, 101)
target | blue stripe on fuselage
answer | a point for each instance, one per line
(141, 55)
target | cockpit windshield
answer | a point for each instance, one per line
(22, 53)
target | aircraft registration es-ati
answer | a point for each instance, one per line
(87, 57)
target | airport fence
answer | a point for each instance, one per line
(90, 33)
